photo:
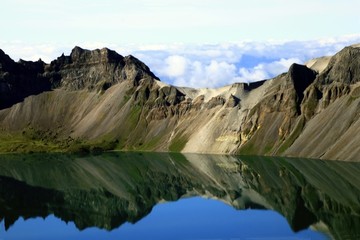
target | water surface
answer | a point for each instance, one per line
(174, 196)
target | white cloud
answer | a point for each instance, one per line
(201, 74)
(175, 66)
(265, 70)
(203, 65)
(217, 65)
(252, 75)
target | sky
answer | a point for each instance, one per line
(197, 43)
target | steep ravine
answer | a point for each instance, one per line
(99, 100)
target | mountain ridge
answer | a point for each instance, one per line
(110, 189)
(98, 99)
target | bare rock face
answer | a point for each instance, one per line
(343, 67)
(215, 101)
(334, 82)
(95, 70)
(100, 99)
(233, 101)
(19, 80)
(301, 77)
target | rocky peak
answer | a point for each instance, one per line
(6, 62)
(134, 70)
(253, 85)
(93, 70)
(243, 86)
(33, 67)
(289, 91)
(96, 70)
(232, 101)
(3, 56)
(20, 79)
(344, 67)
(301, 77)
(79, 55)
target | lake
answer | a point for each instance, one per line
(175, 196)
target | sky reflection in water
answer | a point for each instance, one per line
(191, 219)
(111, 191)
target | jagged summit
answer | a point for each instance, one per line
(96, 69)
(104, 55)
(343, 67)
(301, 77)
(6, 63)
(92, 70)
(318, 64)
(96, 96)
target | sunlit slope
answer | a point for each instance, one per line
(99, 100)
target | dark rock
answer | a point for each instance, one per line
(198, 102)
(253, 85)
(171, 95)
(95, 70)
(19, 80)
(301, 77)
(214, 102)
(232, 101)
(86, 69)
(333, 92)
(310, 102)
(343, 67)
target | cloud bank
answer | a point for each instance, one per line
(217, 65)
(204, 65)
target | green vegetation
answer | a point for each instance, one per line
(310, 106)
(178, 143)
(32, 140)
(150, 145)
(252, 149)
(126, 98)
(92, 147)
(268, 148)
(293, 136)
(134, 116)
(19, 143)
(248, 149)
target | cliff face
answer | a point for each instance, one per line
(95, 70)
(100, 99)
(19, 80)
(331, 109)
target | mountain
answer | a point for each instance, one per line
(110, 189)
(99, 100)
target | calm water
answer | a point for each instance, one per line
(174, 196)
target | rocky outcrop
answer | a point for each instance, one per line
(83, 70)
(342, 68)
(331, 111)
(100, 99)
(19, 80)
(95, 70)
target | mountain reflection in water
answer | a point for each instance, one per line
(107, 190)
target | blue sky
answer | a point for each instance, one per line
(191, 218)
(194, 43)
